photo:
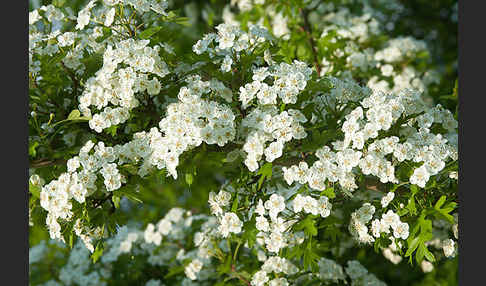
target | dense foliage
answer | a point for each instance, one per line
(253, 142)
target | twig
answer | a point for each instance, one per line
(73, 78)
(97, 203)
(308, 30)
(242, 279)
(46, 162)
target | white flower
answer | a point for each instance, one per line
(394, 258)
(193, 268)
(454, 175)
(426, 266)
(34, 17)
(83, 18)
(401, 231)
(310, 205)
(387, 70)
(78, 192)
(259, 278)
(230, 223)
(278, 282)
(266, 95)
(365, 213)
(273, 151)
(164, 226)
(355, 270)
(385, 200)
(226, 64)
(261, 256)
(275, 204)
(324, 206)
(66, 39)
(390, 219)
(125, 246)
(420, 176)
(448, 247)
(73, 164)
(151, 236)
(298, 203)
(376, 227)
(275, 242)
(260, 209)
(153, 87)
(226, 41)
(110, 16)
(261, 223)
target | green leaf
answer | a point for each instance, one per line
(449, 207)
(308, 225)
(381, 242)
(97, 252)
(411, 205)
(250, 232)
(189, 179)
(174, 271)
(58, 3)
(412, 246)
(414, 189)
(116, 201)
(130, 194)
(402, 212)
(75, 114)
(184, 21)
(454, 93)
(226, 266)
(266, 172)
(235, 204)
(32, 148)
(430, 257)
(112, 130)
(329, 192)
(71, 240)
(420, 253)
(440, 202)
(149, 32)
(34, 190)
(130, 169)
(310, 257)
(106, 33)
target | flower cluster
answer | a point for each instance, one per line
(288, 81)
(355, 41)
(273, 264)
(310, 205)
(364, 148)
(226, 45)
(266, 124)
(391, 254)
(118, 86)
(359, 219)
(188, 123)
(56, 196)
(360, 275)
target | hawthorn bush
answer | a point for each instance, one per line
(252, 142)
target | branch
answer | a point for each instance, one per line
(46, 162)
(237, 275)
(73, 78)
(99, 202)
(308, 30)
